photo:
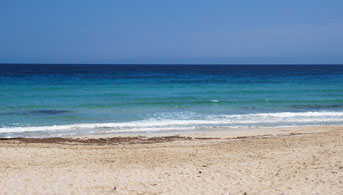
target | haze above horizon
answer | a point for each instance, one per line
(171, 32)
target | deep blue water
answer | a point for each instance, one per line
(57, 100)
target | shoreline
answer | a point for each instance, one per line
(157, 137)
(288, 160)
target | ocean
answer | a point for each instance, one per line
(38, 100)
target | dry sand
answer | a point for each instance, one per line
(304, 160)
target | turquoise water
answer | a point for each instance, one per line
(62, 100)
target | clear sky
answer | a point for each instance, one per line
(175, 31)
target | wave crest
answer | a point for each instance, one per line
(181, 122)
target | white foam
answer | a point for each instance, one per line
(164, 123)
(290, 114)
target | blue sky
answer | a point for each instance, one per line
(118, 31)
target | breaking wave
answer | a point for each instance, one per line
(183, 121)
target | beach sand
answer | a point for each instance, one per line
(301, 160)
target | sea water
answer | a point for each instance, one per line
(38, 100)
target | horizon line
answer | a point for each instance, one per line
(175, 64)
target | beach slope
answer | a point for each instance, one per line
(305, 160)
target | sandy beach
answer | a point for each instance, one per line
(294, 160)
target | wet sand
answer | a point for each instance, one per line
(302, 160)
